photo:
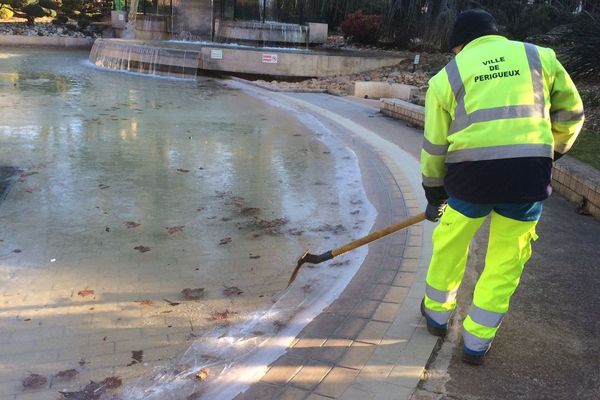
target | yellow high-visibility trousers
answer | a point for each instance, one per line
(509, 248)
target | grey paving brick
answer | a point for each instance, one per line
(311, 374)
(336, 382)
(357, 355)
(261, 391)
(283, 370)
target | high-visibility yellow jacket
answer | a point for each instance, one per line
(493, 118)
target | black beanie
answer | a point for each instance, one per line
(470, 25)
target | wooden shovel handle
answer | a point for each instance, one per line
(379, 234)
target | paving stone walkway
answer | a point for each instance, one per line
(371, 343)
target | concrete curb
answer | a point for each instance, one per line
(47, 41)
(577, 181)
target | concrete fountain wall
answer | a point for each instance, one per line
(270, 32)
(187, 59)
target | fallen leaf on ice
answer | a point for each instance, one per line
(202, 374)
(232, 291)
(34, 381)
(192, 294)
(145, 302)
(67, 374)
(85, 292)
(220, 316)
(174, 229)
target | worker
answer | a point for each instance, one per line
(496, 117)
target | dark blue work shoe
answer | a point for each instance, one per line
(474, 357)
(433, 327)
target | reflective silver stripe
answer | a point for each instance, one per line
(462, 120)
(439, 295)
(564, 116)
(432, 182)
(435, 149)
(458, 87)
(493, 114)
(500, 152)
(440, 317)
(475, 343)
(486, 318)
(537, 74)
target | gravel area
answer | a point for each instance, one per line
(44, 27)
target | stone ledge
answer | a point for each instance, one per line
(52, 41)
(577, 181)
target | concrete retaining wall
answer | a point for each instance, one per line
(235, 59)
(51, 41)
(577, 181)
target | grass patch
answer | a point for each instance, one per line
(587, 149)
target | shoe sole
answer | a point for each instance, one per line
(473, 360)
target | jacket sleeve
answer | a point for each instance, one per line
(566, 110)
(435, 147)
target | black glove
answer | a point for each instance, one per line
(436, 202)
(433, 213)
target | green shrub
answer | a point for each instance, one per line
(5, 12)
(60, 19)
(31, 9)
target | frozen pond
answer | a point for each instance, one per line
(131, 189)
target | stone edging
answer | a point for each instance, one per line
(50, 41)
(577, 181)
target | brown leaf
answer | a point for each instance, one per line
(112, 382)
(142, 249)
(223, 315)
(67, 374)
(93, 390)
(225, 241)
(172, 303)
(202, 374)
(29, 190)
(582, 207)
(232, 291)
(192, 294)
(137, 356)
(17, 251)
(183, 171)
(174, 229)
(131, 224)
(144, 302)
(254, 256)
(34, 381)
(86, 292)
(82, 362)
